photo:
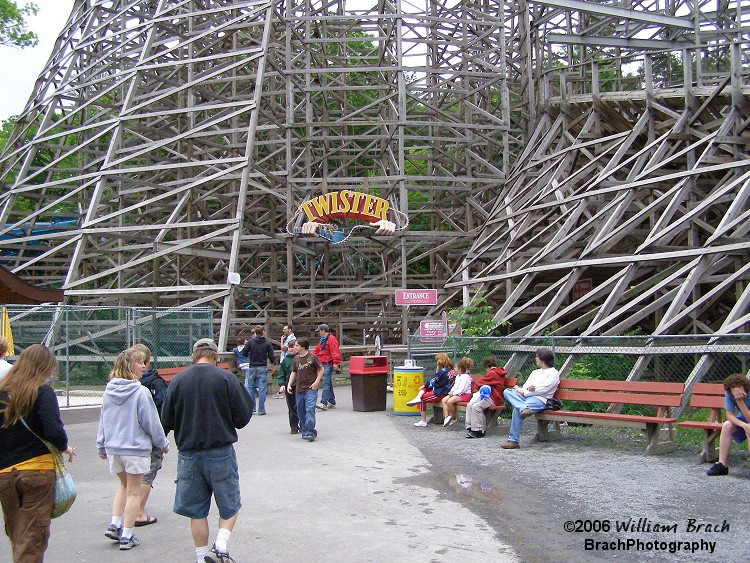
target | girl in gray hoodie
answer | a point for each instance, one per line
(128, 427)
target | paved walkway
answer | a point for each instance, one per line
(361, 492)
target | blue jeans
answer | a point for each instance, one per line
(328, 396)
(306, 412)
(519, 403)
(257, 378)
(201, 474)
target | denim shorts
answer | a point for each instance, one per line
(739, 434)
(203, 473)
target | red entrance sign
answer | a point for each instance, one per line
(416, 297)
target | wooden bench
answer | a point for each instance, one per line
(708, 396)
(491, 414)
(167, 374)
(663, 396)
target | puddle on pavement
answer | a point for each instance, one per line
(474, 489)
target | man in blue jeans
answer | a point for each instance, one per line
(307, 373)
(204, 406)
(258, 352)
(532, 397)
(329, 355)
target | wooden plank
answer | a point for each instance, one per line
(620, 398)
(631, 386)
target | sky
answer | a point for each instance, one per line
(21, 67)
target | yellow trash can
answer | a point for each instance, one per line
(406, 383)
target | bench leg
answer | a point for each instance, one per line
(544, 433)
(437, 413)
(710, 454)
(490, 418)
(654, 445)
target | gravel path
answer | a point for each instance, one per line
(654, 508)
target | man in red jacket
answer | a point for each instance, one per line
(329, 355)
(495, 379)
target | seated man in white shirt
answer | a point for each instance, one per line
(532, 397)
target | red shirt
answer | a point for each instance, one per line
(495, 378)
(331, 355)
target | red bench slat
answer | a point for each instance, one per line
(665, 388)
(620, 398)
(610, 416)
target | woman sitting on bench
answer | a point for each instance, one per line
(435, 389)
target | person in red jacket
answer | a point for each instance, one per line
(329, 355)
(495, 379)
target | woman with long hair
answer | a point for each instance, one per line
(435, 389)
(27, 471)
(129, 428)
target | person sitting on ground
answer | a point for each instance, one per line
(532, 397)
(460, 392)
(494, 379)
(435, 389)
(736, 425)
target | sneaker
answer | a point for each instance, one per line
(447, 420)
(718, 468)
(220, 556)
(309, 438)
(128, 543)
(421, 423)
(321, 406)
(262, 413)
(330, 406)
(113, 532)
(414, 402)
(510, 445)
(474, 434)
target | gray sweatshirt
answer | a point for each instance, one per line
(129, 423)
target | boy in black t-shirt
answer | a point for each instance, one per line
(307, 373)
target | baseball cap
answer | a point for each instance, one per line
(205, 344)
(323, 326)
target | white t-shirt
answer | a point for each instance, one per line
(545, 382)
(4, 368)
(462, 384)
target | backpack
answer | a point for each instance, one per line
(156, 384)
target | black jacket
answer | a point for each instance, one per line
(257, 350)
(204, 406)
(17, 444)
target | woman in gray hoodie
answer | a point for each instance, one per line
(128, 428)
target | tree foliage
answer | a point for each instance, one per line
(13, 27)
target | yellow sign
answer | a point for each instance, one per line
(6, 332)
(345, 204)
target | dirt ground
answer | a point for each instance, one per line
(619, 503)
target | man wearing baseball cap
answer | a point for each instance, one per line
(329, 355)
(205, 405)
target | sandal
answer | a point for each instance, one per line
(148, 521)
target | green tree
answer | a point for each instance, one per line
(13, 30)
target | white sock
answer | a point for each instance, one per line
(117, 521)
(201, 552)
(222, 539)
(127, 533)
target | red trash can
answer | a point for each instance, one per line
(369, 376)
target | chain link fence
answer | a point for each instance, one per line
(86, 340)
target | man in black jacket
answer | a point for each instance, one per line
(258, 351)
(204, 406)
